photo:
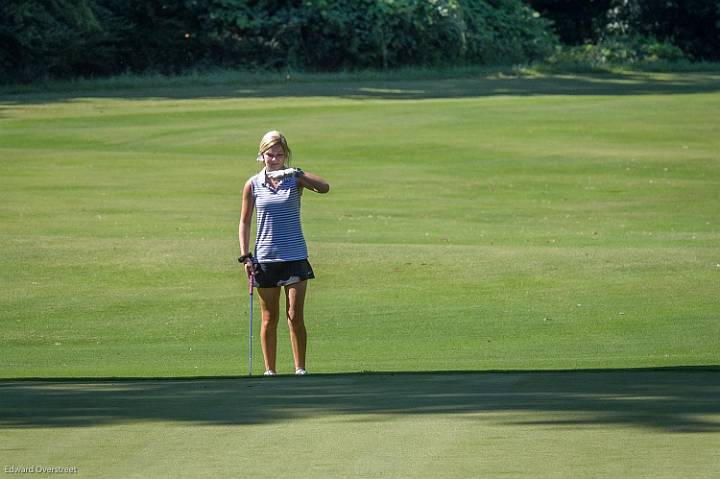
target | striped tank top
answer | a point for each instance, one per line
(279, 232)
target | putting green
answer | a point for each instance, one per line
(641, 423)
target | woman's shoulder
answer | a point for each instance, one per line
(256, 178)
(252, 183)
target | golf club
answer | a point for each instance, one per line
(251, 284)
(251, 281)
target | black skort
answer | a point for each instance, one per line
(285, 273)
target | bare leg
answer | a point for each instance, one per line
(270, 307)
(294, 305)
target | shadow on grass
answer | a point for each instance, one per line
(631, 83)
(674, 400)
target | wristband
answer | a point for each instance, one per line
(245, 257)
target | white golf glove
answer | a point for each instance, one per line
(286, 173)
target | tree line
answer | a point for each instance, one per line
(44, 39)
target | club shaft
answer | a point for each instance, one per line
(250, 340)
(250, 336)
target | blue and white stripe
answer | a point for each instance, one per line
(279, 232)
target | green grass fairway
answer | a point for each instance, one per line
(534, 222)
(564, 229)
(610, 424)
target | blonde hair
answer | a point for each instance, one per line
(270, 139)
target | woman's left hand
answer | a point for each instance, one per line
(282, 174)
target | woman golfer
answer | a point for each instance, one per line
(280, 251)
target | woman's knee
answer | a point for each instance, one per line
(270, 318)
(295, 316)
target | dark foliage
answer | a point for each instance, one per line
(691, 25)
(70, 38)
(84, 38)
(576, 23)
